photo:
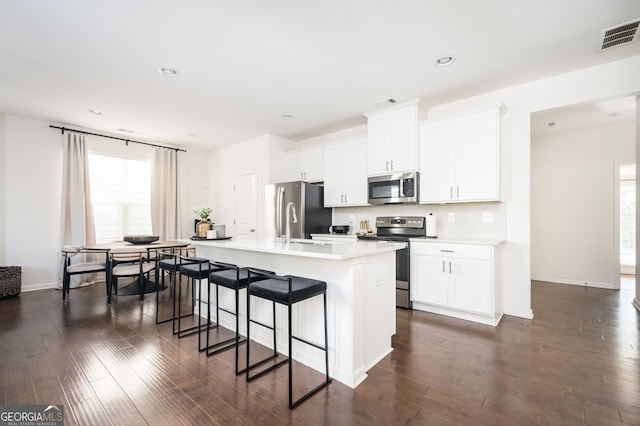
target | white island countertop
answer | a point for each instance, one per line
(336, 250)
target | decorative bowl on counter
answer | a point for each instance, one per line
(140, 239)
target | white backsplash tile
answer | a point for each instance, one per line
(468, 217)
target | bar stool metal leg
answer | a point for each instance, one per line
(194, 269)
(275, 346)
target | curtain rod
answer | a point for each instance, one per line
(113, 137)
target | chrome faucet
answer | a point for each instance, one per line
(287, 229)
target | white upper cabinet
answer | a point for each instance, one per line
(345, 174)
(392, 139)
(459, 158)
(305, 165)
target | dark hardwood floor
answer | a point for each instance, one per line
(576, 362)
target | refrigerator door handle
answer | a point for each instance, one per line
(279, 200)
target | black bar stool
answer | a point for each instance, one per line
(286, 290)
(234, 278)
(194, 268)
(168, 262)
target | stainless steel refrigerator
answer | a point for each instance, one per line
(307, 203)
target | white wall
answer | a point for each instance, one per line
(33, 172)
(31, 179)
(262, 155)
(3, 179)
(194, 187)
(572, 203)
(636, 300)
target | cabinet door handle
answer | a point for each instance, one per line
(386, 165)
(443, 270)
(446, 251)
(457, 192)
(449, 267)
(451, 192)
(391, 165)
(345, 198)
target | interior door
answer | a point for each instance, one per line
(246, 207)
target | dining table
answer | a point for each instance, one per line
(147, 285)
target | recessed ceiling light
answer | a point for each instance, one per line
(170, 72)
(125, 130)
(95, 111)
(286, 116)
(443, 61)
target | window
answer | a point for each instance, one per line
(121, 194)
(628, 215)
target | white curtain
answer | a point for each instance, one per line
(165, 200)
(77, 225)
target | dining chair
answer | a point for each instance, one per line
(129, 262)
(95, 260)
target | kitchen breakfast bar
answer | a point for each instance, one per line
(360, 279)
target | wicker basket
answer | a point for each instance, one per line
(10, 281)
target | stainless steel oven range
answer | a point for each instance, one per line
(400, 228)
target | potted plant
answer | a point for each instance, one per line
(204, 225)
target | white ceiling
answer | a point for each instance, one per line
(593, 114)
(243, 64)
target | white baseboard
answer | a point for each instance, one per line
(527, 314)
(48, 286)
(573, 282)
(39, 286)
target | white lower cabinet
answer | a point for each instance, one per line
(457, 280)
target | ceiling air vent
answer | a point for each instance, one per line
(619, 35)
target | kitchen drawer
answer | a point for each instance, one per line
(452, 250)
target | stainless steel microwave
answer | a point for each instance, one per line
(393, 189)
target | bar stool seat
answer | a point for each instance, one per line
(286, 290)
(191, 267)
(172, 264)
(278, 290)
(234, 278)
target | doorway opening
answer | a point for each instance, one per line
(626, 226)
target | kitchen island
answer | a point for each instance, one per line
(360, 280)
